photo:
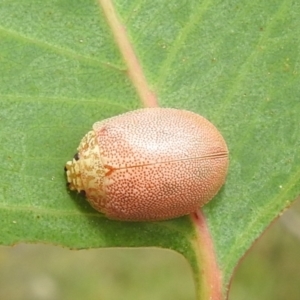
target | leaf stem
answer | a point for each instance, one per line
(210, 277)
(134, 69)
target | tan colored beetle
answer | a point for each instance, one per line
(150, 164)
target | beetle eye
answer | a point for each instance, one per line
(76, 156)
(82, 193)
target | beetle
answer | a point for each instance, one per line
(149, 164)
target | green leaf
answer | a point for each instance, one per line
(236, 63)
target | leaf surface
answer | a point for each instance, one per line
(236, 63)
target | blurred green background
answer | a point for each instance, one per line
(270, 270)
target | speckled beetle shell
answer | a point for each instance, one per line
(150, 164)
